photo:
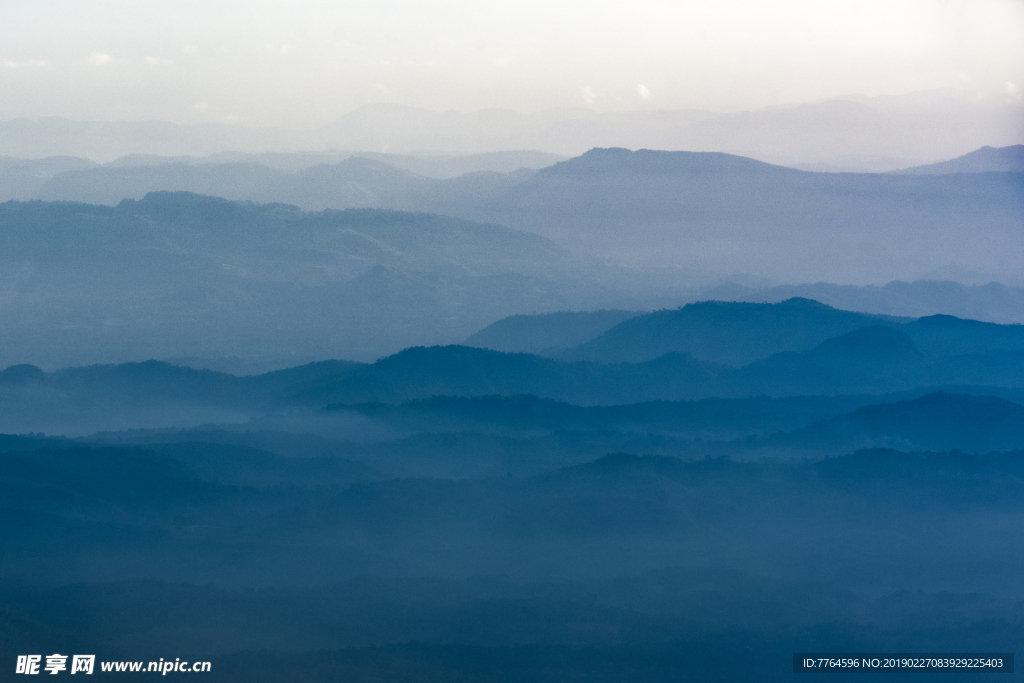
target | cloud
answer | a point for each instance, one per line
(158, 60)
(589, 96)
(99, 59)
(643, 92)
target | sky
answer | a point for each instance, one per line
(304, 63)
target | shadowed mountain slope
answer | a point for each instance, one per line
(354, 182)
(548, 333)
(179, 274)
(700, 213)
(938, 421)
(883, 356)
(990, 302)
(872, 359)
(984, 160)
(721, 332)
(711, 213)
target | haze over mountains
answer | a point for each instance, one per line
(582, 413)
(798, 347)
(178, 275)
(701, 213)
(628, 230)
(185, 275)
(287, 176)
(731, 333)
(334, 512)
(709, 213)
(984, 160)
(846, 134)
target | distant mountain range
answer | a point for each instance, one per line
(701, 216)
(546, 334)
(797, 348)
(179, 275)
(183, 276)
(991, 302)
(281, 176)
(600, 484)
(843, 134)
(443, 494)
(711, 214)
(984, 160)
(731, 333)
(235, 175)
(553, 334)
(937, 422)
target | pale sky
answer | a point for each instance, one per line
(304, 63)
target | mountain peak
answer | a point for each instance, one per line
(985, 159)
(658, 162)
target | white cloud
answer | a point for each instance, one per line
(643, 92)
(589, 96)
(99, 59)
(158, 61)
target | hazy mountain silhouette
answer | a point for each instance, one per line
(548, 333)
(842, 134)
(984, 160)
(938, 422)
(858, 134)
(290, 177)
(711, 419)
(178, 274)
(428, 165)
(668, 355)
(728, 333)
(353, 182)
(872, 359)
(992, 302)
(700, 213)
(712, 213)
(21, 178)
(868, 359)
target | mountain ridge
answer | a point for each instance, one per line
(985, 159)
